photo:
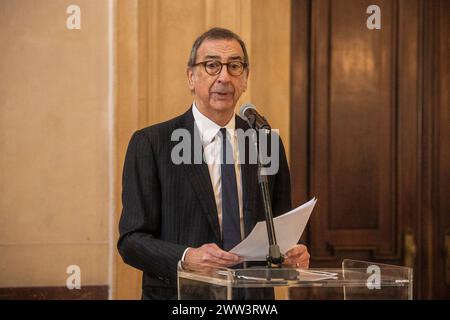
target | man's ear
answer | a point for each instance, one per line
(246, 80)
(191, 78)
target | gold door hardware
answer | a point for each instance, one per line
(410, 250)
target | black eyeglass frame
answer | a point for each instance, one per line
(244, 66)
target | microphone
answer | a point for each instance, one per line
(254, 119)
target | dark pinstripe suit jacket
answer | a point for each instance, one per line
(168, 207)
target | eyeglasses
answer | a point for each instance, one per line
(214, 67)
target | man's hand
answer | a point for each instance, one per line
(297, 257)
(210, 254)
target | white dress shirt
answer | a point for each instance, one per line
(212, 146)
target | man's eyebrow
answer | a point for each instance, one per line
(235, 58)
(208, 57)
(212, 57)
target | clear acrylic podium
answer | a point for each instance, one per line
(355, 280)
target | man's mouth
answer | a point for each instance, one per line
(222, 94)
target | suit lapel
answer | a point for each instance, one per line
(199, 177)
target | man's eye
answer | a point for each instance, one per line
(235, 65)
(212, 65)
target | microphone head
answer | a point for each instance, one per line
(244, 108)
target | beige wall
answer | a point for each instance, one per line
(54, 143)
(155, 38)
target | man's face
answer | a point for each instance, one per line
(218, 94)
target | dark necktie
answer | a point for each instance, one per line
(231, 229)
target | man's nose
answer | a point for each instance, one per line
(224, 76)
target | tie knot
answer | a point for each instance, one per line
(223, 132)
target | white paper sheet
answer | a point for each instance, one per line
(288, 230)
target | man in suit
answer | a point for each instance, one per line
(196, 212)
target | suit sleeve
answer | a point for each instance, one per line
(140, 222)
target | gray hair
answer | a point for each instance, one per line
(216, 34)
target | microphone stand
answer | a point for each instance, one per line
(274, 258)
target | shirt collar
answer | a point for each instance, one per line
(208, 129)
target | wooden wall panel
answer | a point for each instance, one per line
(354, 129)
(436, 142)
(300, 102)
(443, 163)
(359, 106)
